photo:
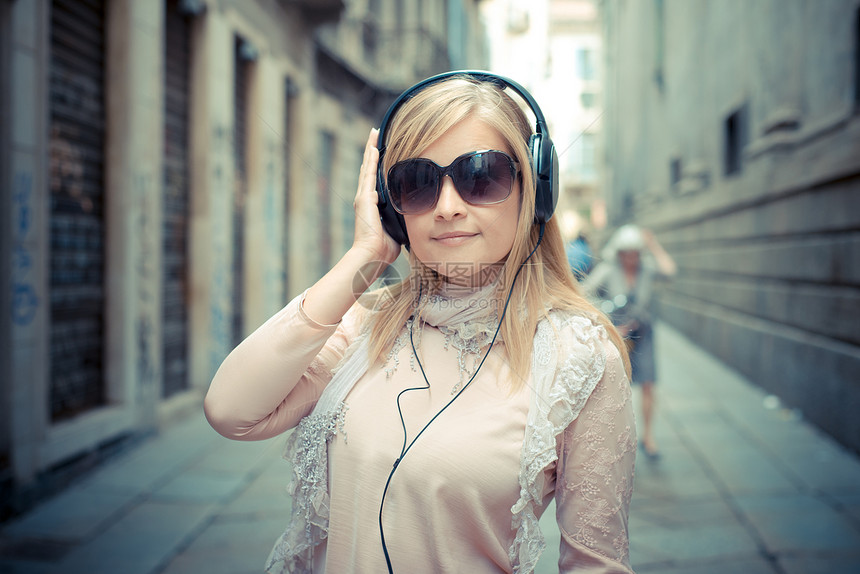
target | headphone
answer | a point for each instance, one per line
(543, 154)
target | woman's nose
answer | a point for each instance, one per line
(450, 203)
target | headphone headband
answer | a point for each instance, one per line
(544, 156)
(481, 75)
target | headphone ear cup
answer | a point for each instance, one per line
(545, 170)
(392, 222)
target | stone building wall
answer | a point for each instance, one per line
(732, 130)
(183, 168)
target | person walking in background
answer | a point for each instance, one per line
(633, 260)
(578, 249)
(434, 429)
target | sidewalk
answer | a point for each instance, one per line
(743, 486)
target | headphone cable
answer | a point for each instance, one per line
(406, 448)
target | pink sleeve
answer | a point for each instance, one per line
(594, 481)
(273, 378)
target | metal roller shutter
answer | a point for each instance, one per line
(176, 200)
(77, 206)
(240, 191)
(291, 93)
(324, 187)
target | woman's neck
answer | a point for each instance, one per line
(472, 281)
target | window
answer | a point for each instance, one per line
(659, 43)
(370, 33)
(291, 94)
(675, 171)
(735, 137)
(324, 185)
(589, 164)
(585, 64)
(588, 99)
(857, 61)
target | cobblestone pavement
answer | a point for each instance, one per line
(743, 486)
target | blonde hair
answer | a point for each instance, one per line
(545, 282)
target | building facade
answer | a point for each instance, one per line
(553, 48)
(732, 130)
(173, 172)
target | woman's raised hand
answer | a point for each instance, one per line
(370, 237)
(372, 250)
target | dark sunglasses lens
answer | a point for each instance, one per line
(484, 178)
(413, 185)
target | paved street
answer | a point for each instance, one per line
(743, 486)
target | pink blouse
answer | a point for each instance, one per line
(457, 502)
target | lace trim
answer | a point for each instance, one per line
(307, 450)
(293, 552)
(392, 360)
(557, 401)
(470, 339)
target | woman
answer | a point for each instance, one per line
(625, 281)
(437, 423)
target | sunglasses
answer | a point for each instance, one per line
(480, 177)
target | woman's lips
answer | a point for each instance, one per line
(454, 238)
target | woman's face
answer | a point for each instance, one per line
(464, 243)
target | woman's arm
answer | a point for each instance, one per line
(594, 481)
(274, 377)
(665, 264)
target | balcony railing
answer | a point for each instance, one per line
(318, 12)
